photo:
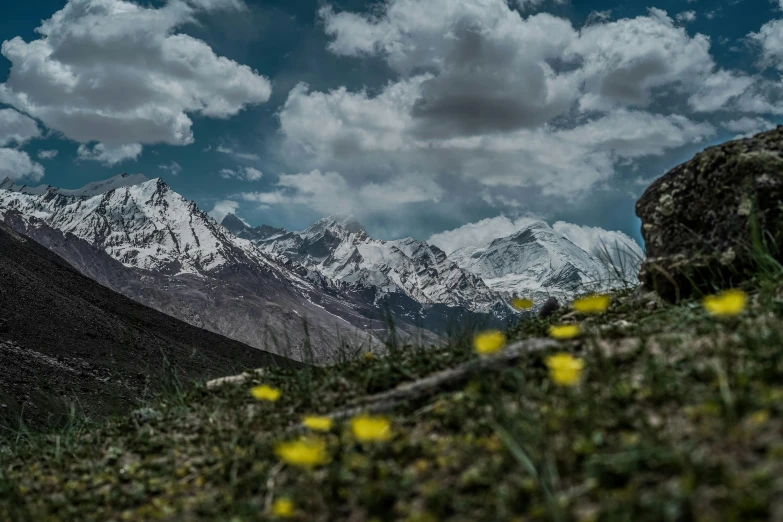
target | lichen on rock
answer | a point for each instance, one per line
(699, 220)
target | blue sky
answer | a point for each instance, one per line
(401, 149)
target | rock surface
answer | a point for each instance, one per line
(700, 219)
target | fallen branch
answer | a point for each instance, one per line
(409, 391)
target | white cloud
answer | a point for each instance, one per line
(239, 155)
(16, 127)
(47, 154)
(686, 17)
(173, 168)
(244, 173)
(329, 193)
(109, 155)
(118, 72)
(214, 5)
(223, 208)
(770, 39)
(746, 127)
(354, 133)
(534, 4)
(480, 233)
(16, 164)
(505, 101)
(628, 61)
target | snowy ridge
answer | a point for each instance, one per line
(536, 262)
(339, 248)
(141, 223)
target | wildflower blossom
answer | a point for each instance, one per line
(758, 418)
(369, 356)
(317, 423)
(522, 304)
(726, 304)
(593, 304)
(283, 508)
(564, 369)
(305, 452)
(489, 342)
(564, 332)
(371, 429)
(265, 393)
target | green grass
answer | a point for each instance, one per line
(678, 417)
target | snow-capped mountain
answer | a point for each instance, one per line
(537, 262)
(260, 285)
(339, 248)
(139, 222)
(144, 240)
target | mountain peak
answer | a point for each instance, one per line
(346, 223)
(233, 224)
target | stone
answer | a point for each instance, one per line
(146, 414)
(550, 306)
(703, 221)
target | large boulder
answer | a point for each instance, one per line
(702, 222)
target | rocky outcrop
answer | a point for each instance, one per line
(705, 222)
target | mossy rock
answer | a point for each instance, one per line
(709, 222)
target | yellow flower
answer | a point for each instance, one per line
(758, 418)
(265, 393)
(592, 304)
(522, 304)
(306, 452)
(368, 429)
(317, 423)
(489, 342)
(369, 356)
(283, 508)
(564, 332)
(564, 369)
(726, 304)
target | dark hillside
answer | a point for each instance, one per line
(66, 339)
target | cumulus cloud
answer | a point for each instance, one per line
(686, 17)
(504, 100)
(119, 73)
(16, 164)
(746, 127)
(535, 4)
(479, 233)
(770, 39)
(47, 154)
(236, 154)
(172, 168)
(223, 208)
(329, 192)
(109, 155)
(16, 127)
(243, 173)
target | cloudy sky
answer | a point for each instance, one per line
(422, 117)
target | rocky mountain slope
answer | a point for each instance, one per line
(65, 339)
(142, 239)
